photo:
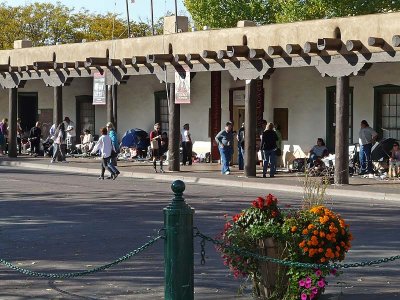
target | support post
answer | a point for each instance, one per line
(250, 128)
(178, 247)
(174, 130)
(57, 105)
(342, 131)
(12, 117)
(109, 97)
(114, 105)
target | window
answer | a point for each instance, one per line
(387, 111)
(161, 110)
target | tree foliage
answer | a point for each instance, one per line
(226, 13)
(48, 24)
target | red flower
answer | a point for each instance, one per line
(236, 217)
(258, 203)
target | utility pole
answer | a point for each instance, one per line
(176, 17)
(152, 17)
(127, 15)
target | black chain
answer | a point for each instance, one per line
(246, 253)
(203, 252)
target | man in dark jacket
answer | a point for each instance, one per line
(34, 138)
(268, 147)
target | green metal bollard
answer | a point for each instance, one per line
(178, 247)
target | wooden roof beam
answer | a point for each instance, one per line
(193, 56)
(127, 61)
(43, 65)
(114, 62)
(4, 68)
(275, 50)
(354, 45)
(80, 64)
(376, 42)
(68, 65)
(311, 47)
(257, 53)
(180, 57)
(293, 49)
(238, 51)
(57, 65)
(159, 58)
(136, 60)
(396, 41)
(96, 61)
(329, 44)
(209, 54)
(224, 54)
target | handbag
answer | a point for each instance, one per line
(154, 144)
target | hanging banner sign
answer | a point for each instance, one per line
(99, 89)
(182, 87)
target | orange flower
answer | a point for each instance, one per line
(305, 231)
(294, 228)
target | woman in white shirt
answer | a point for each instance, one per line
(105, 146)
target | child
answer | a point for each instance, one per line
(394, 160)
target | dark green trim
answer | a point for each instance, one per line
(157, 98)
(378, 91)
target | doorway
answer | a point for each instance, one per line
(238, 120)
(85, 115)
(28, 110)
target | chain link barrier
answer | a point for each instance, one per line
(81, 273)
(287, 263)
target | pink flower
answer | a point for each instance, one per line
(302, 282)
(321, 283)
(314, 290)
(308, 280)
(303, 296)
(312, 296)
(318, 273)
(308, 285)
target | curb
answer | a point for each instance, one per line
(332, 191)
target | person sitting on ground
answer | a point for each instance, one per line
(317, 152)
(394, 160)
(86, 142)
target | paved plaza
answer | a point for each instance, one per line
(61, 219)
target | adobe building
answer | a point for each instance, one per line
(315, 79)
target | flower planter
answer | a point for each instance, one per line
(273, 281)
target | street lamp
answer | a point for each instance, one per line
(127, 15)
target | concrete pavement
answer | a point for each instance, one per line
(209, 174)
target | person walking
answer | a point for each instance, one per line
(19, 136)
(367, 137)
(240, 139)
(3, 135)
(114, 138)
(224, 140)
(105, 146)
(71, 133)
(268, 148)
(59, 144)
(187, 145)
(155, 144)
(34, 138)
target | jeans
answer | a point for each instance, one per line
(187, 152)
(226, 156)
(365, 158)
(58, 150)
(107, 163)
(269, 157)
(241, 158)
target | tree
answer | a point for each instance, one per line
(226, 13)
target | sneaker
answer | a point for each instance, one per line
(162, 171)
(101, 178)
(227, 173)
(52, 161)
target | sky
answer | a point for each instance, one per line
(140, 10)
